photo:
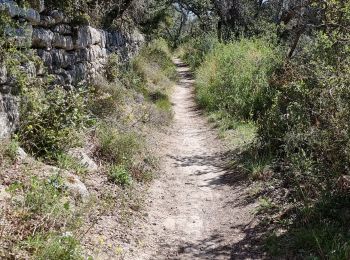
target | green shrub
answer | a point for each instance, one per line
(159, 53)
(44, 197)
(116, 147)
(106, 99)
(55, 247)
(132, 77)
(43, 215)
(306, 129)
(235, 78)
(120, 175)
(194, 51)
(161, 100)
(112, 67)
(8, 150)
(157, 56)
(307, 122)
(50, 120)
(82, 19)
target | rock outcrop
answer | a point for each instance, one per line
(71, 53)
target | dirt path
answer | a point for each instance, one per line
(196, 208)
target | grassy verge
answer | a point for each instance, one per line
(111, 120)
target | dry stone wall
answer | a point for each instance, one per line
(71, 53)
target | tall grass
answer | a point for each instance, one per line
(235, 78)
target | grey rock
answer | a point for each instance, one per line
(5, 89)
(137, 37)
(3, 74)
(116, 40)
(58, 80)
(87, 36)
(63, 42)
(5, 130)
(74, 185)
(104, 38)
(10, 7)
(13, 10)
(21, 154)
(62, 59)
(47, 21)
(21, 36)
(91, 54)
(32, 16)
(58, 58)
(9, 114)
(40, 69)
(4, 195)
(42, 38)
(63, 29)
(83, 159)
(46, 58)
(79, 71)
(82, 55)
(29, 69)
(65, 76)
(57, 16)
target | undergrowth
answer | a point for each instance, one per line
(234, 78)
(299, 157)
(110, 116)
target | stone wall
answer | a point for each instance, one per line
(71, 53)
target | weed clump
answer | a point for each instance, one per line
(235, 78)
(40, 215)
(120, 175)
(56, 247)
(50, 120)
(116, 147)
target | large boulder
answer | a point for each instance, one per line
(59, 58)
(62, 59)
(45, 57)
(91, 54)
(63, 42)
(72, 183)
(87, 36)
(42, 38)
(9, 114)
(83, 159)
(63, 29)
(32, 16)
(58, 16)
(13, 10)
(115, 39)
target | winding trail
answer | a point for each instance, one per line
(197, 207)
